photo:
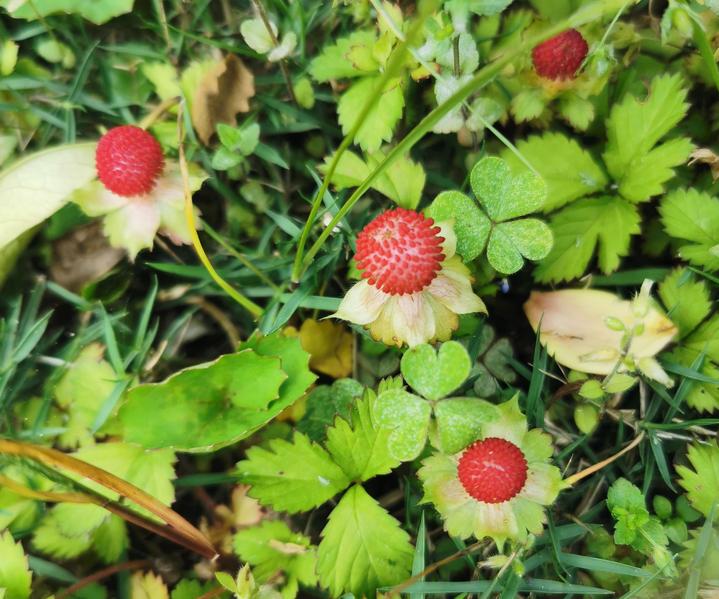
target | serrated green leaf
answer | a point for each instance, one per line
(190, 589)
(335, 61)
(460, 421)
(407, 417)
(272, 548)
(635, 127)
(435, 374)
(578, 111)
(470, 224)
(292, 476)
(686, 299)
(702, 480)
(378, 126)
(569, 171)
(358, 445)
(363, 547)
(15, 577)
(527, 105)
(693, 216)
(325, 403)
(503, 194)
(603, 224)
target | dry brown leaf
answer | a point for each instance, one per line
(82, 256)
(224, 91)
(708, 157)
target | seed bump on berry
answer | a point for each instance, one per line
(400, 251)
(492, 470)
(561, 56)
(129, 161)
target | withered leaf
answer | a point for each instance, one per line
(224, 91)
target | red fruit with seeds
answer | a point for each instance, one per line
(400, 251)
(561, 56)
(129, 161)
(492, 470)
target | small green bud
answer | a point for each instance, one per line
(591, 389)
(614, 323)
(620, 383)
(662, 507)
(586, 417)
(676, 530)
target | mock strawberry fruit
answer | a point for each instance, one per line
(561, 56)
(400, 251)
(492, 470)
(129, 161)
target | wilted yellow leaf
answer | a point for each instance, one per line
(329, 345)
(584, 329)
(147, 586)
(223, 91)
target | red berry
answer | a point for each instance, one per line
(561, 56)
(129, 160)
(492, 470)
(400, 251)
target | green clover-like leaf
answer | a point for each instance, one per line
(471, 225)
(513, 241)
(436, 375)
(408, 416)
(504, 194)
(460, 421)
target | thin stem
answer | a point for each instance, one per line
(102, 574)
(245, 302)
(575, 478)
(590, 12)
(283, 65)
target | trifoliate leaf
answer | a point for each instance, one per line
(147, 585)
(292, 476)
(272, 548)
(702, 480)
(379, 125)
(408, 417)
(569, 171)
(327, 402)
(628, 507)
(686, 299)
(359, 445)
(493, 362)
(603, 224)
(634, 129)
(471, 225)
(85, 386)
(402, 182)
(363, 547)
(212, 405)
(26, 200)
(242, 139)
(460, 421)
(335, 62)
(15, 577)
(435, 375)
(693, 216)
(97, 12)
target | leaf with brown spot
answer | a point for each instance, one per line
(224, 91)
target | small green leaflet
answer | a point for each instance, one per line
(702, 482)
(292, 476)
(435, 374)
(325, 403)
(569, 171)
(635, 127)
(693, 216)
(382, 118)
(505, 197)
(460, 420)
(342, 59)
(686, 299)
(363, 547)
(402, 182)
(358, 445)
(272, 547)
(578, 111)
(15, 577)
(408, 417)
(604, 224)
